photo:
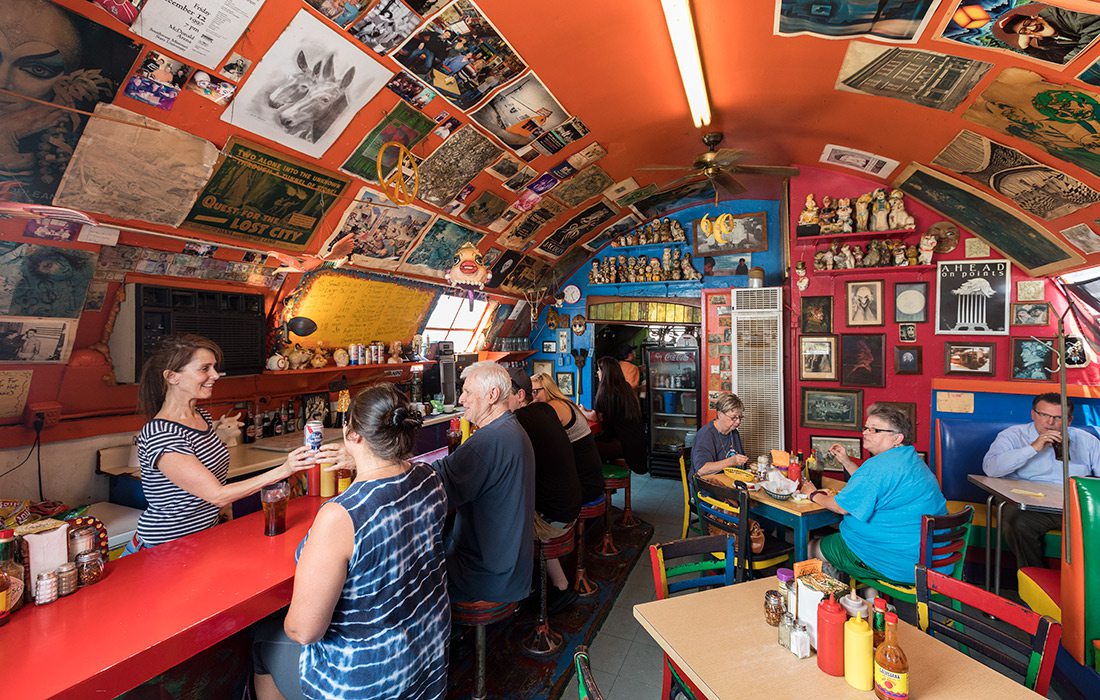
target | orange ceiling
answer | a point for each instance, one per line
(610, 63)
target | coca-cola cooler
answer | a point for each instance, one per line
(672, 397)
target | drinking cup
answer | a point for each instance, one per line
(274, 498)
(1057, 450)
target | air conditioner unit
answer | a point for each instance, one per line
(757, 364)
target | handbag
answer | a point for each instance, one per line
(756, 537)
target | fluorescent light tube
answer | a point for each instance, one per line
(681, 30)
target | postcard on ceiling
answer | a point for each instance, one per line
(403, 125)
(307, 88)
(435, 252)
(129, 172)
(36, 340)
(900, 22)
(1036, 188)
(1036, 31)
(521, 112)
(202, 31)
(1027, 244)
(860, 161)
(924, 78)
(41, 280)
(379, 233)
(447, 170)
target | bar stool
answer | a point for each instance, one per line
(593, 509)
(544, 641)
(617, 476)
(480, 614)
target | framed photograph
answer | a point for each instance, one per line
(972, 297)
(907, 332)
(1031, 314)
(565, 382)
(543, 367)
(862, 360)
(1076, 353)
(314, 406)
(563, 339)
(969, 358)
(837, 409)
(908, 360)
(910, 302)
(816, 315)
(909, 410)
(864, 303)
(1034, 359)
(817, 358)
(550, 346)
(731, 234)
(822, 443)
(1030, 290)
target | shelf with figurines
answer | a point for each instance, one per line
(673, 265)
(873, 214)
(655, 233)
(882, 255)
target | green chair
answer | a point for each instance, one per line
(586, 684)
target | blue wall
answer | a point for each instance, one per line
(771, 260)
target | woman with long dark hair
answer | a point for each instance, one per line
(622, 434)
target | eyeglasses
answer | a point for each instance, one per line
(875, 431)
(1047, 415)
(536, 390)
(734, 416)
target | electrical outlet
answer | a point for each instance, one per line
(50, 410)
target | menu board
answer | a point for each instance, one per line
(351, 307)
(202, 31)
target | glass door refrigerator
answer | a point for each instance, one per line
(672, 401)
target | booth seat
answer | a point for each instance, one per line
(1080, 579)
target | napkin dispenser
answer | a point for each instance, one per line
(44, 545)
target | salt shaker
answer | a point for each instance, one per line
(800, 641)
(66, 579)
(45, 588)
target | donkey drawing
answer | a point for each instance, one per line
(297, 84)
(311, 115)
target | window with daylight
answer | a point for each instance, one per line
(453, 319)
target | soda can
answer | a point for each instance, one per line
(362, 353)
(314, 434)
(353, 354)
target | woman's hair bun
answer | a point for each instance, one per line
(404, 417)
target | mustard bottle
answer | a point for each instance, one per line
(858, 653)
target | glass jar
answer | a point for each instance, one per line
(81, 540)
(67, 579)
(89, 567)
(773, 608)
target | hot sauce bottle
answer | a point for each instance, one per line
(891, 666)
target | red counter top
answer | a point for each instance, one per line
(153, 610)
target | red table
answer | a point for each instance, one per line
(153, 610)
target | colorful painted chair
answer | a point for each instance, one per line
(690, 510)
(480, 614)
(543, 640)
(1032, 660)
(709, 566)
(727, 518)
(586, 683)
(1080, 580)
(583, 585)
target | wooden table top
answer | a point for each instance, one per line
(720, 640)
(722, 480)
(1042, 496)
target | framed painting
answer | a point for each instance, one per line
(1076, 353)
(907, 332)
(907, 360)
(862, 360)
(910, 302)
(836, 409)
(550, 346)
(565, 382)
(864, 302)
(731, 234)
(1034, 359)
(972, 297)
(817, 357)
(1031, 314)
(969, 358)
(543, 367)
(816, 315)
(822, 443)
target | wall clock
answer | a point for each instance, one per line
(572, 293)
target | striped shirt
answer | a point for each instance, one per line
(389, 631)
(173, 512)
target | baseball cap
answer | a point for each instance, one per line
(520, 380)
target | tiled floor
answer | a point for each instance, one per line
(626, 662)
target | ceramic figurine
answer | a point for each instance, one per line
(899, 254)
(899, 219)
(808, 222)
(594, 273)
(873, 258)
(800, 273)
(397, 349)
(826, 216)
(823, 260)
(631, 268)
(880, 211)
(299, 357)
(863, 212)
(664, 231)
(690, 273)
(857, 256)
(277, 363)
(911, 255)
(320, 358)
(677, 271)
(927, 247)
(666, 261)
(678, 232)
(340, 357)
(612, 271)
(844, 215)
(849, 258)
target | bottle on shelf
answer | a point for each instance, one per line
(277, 423)
(815, 469)
(284, 413)
(454, 435)
(268, 428)
(891, 665)
(248, 427)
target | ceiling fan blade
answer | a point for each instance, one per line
(775, 170)
(694, 177)
(726, 181)
(725, 157)
(665, 167)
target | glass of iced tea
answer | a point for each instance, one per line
(274, 498)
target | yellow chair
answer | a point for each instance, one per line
(689, 503)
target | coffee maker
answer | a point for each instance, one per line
(441, 377)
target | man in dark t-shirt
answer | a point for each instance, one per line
(490, 484)
(557, 486)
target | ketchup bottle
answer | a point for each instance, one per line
(830, 636)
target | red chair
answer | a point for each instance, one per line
(480, 614)
(582, 584)
(1033, 660)
(544, 641)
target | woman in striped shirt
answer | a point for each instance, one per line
(369, 616)
(183, 463)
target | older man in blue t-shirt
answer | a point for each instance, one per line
(882, 504)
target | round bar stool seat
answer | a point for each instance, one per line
(617, 476)
(480, 614)
(593, 509)
(543, 640)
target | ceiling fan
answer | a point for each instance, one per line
(718, 165)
